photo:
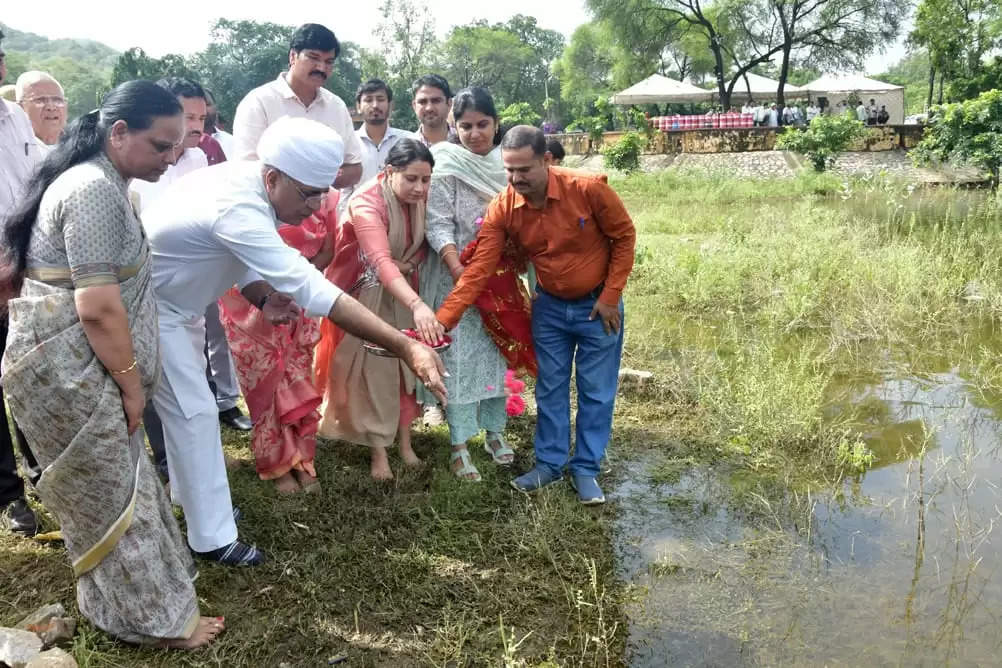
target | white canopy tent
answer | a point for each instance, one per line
(762, 88)
(657, 89)
(838, 88)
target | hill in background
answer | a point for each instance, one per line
(82, 66)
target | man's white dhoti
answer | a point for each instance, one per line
(190, 419)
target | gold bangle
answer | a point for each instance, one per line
(127, 369)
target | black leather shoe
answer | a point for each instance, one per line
(20, 518)
(232, 417)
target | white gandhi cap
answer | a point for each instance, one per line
(305, 150)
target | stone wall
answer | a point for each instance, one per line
(739, 140)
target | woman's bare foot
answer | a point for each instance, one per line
(307, 482)
(379, 465)
(406, 451)
(206, 631)
(286, 484)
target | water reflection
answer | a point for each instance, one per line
(897, 567)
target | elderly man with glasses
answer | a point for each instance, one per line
(42, 98)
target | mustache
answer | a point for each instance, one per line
(322, 74)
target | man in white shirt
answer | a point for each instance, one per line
(19, 156)
(42, 98)
(812, 111)
(375, 102)
(300, 93)
(772, 117)
(861, 112)
(219, 228)
(188, 157)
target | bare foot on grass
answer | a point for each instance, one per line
(206, 631)
(286, 484)
(307, 482)
(379, 465)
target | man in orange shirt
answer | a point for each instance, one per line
(577, 233)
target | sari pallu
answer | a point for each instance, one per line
(364, 394)
(135, 573)
(275, 364)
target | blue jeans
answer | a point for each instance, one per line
(562, 334)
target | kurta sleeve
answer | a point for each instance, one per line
(441, 217)
(367, 213)
(94, 220)
(615, 222)
(250, 234)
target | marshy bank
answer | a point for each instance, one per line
(825, 382)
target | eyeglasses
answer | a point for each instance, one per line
(313, 201)
(48, 101)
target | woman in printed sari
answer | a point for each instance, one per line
(82, 356)
(380, 246)
(467, 178)
(275, 366)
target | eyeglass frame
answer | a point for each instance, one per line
(322, 197)
(46, 100)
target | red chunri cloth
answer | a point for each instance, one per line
(506, 309)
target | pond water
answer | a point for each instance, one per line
(899, 566)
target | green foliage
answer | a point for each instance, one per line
(823, 140)
(81, 66)
(624, 155)
(912, 72)
(519, 113)
(967, 132)
(584, 70)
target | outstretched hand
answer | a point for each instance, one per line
(280, 309)
(428, 367)
(609, 315)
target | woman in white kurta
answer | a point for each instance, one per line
(466, 178)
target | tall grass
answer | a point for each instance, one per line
(755, 295)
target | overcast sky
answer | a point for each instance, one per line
(182, 26)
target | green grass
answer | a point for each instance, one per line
(751, 301)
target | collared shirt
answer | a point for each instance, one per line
(581, 239)
(266, 104)
(19, 155)
(148, 192)
(225, 140)
(212, 149)
(452, 137)
(373, 157)
(217, 228)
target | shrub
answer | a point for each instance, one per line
(966, 132)
(823, 140)
(519, 113)
(624, 155)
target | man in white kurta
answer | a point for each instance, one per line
(218, 228)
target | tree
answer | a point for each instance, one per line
(482, 55)
(519, 113)
(408, 46)
(957, 35)
(742, 35)
(135, 64)
(968, 132)
(585, 68)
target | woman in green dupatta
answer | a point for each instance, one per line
(466, 179)
(82, 356)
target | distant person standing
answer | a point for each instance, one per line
(861, 114)
(883, 116)
(813, 111)
(432, 101)
(872, 112)
(42, 98)
(300, 93)
(772, 117)
(555, 149)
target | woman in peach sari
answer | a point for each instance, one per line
(380, 247)
(275, 366)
